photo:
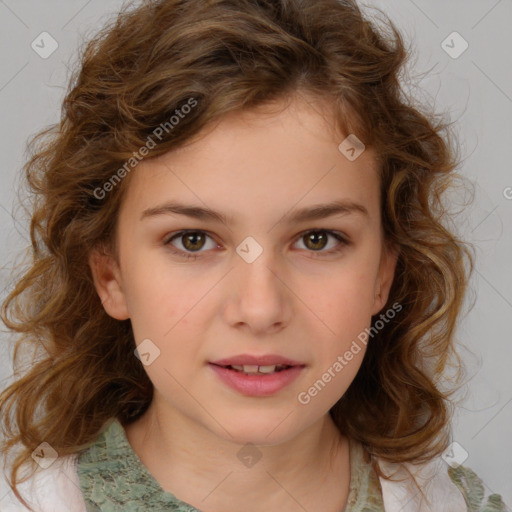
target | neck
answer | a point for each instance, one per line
(213, 473)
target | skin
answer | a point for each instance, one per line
(293, 300)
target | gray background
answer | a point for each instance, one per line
(475, 89)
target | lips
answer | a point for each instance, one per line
(251, 360)
(251, 369)
(257, 375)
(256, 384)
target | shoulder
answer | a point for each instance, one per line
(53, 489)
(435, 487)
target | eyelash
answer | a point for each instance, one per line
(193, 256)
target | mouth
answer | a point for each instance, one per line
(252, 369)
(257, 380)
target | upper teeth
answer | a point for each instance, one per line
(251, 368)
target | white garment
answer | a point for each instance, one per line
(439, 493)
(57, 489)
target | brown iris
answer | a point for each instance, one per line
(316, 237)
(190, 241)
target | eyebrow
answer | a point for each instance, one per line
(315, 212)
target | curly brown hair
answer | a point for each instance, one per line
(230, 55)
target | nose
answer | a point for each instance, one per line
(258, 297)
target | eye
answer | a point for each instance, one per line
(192, 241)
(317, 240)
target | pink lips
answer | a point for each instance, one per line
(265, 360)
(258, 384)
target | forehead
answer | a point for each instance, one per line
(260, 161)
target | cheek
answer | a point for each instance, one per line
(156, 293)
(172, 310)
(345, 308)
(344, 299)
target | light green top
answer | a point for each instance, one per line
(113, 478)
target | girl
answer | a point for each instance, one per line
(242, 296)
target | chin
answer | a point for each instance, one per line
(264, 430)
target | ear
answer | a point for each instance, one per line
(385, 277)
(108, 283)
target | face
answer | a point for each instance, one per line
(263, 277)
